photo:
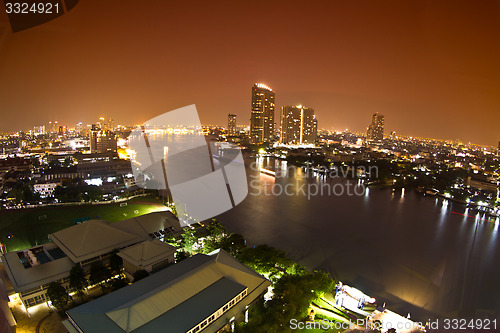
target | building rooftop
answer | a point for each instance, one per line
(147, 253)
(175, 299)
(148, 224)
(97, 237)
(24, 276)
(91, 239)
(32, 268)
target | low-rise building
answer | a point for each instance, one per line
(149, 256)
(204, 293)
(46, 190)
(30, 271)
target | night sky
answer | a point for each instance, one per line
(431, 67)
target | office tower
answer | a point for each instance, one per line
(79, 129)
(298, 125)
(39, 130)
(111, 124)
(93, 137)
(53, 127)
(102, 141)
(262, 116)
(375, 131)
(231, 124)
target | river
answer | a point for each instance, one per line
(421, 255)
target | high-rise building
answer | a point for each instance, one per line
(298, 125)
(79, 129)
(53, 127)
(106, 124)
(231, 124)
(102, 141)
(62, 130)
(39, 130)
(375, 131)
(262, 116)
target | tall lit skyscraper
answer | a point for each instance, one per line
(231, 124)
(53, 127)
(375, 131)
(298, 125)
(79, 129)
(262, 117)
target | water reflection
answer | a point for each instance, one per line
(383, 246)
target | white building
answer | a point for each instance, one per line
(46, 190)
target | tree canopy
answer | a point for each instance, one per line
(58, 295)
(77, 278)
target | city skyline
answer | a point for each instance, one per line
(82, 129)
(427, 77)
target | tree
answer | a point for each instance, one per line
(181, 255)
(173, 209)
(234, 244)
(115, 263)
(321, 283)
(54, 164)
(170, 239)
(78, 192)
(188, 239)
(23, 192)
(92, 193)
(215, 235)
(77, 279)
(266, 260)
(58, 295)
(139, 275)
(119, 283)
(216, 231)
(99, 273)
(292, 298)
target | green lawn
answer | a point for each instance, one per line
(30, 227)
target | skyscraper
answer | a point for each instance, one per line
(102, 141)
(262, 116)
(375, 131)
(53, 127)
(39, 130)
(298, 125)
(231, 124)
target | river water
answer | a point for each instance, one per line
(421, 255)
